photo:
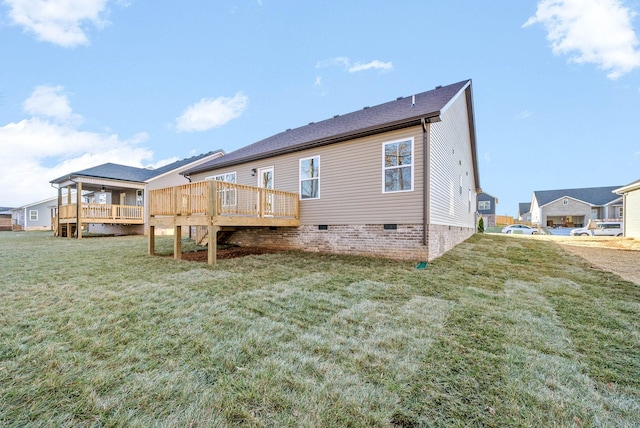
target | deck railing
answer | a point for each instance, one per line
(97, 212)
(216, 198)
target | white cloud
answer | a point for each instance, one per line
(591, 31)
(211, 113)
(525, 114)
(38, 149)
(61, 22)
(376, 65)
(50, 101)
(345, 62)
(318, 81)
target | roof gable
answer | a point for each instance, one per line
(404, 111)
(596, 196)
(628, 188)
(524, 207)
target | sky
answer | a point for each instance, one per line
(556, 83)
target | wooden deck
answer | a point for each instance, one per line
(217, 204)
(102, 213)
(66, 221)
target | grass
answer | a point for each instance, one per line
(495, 333)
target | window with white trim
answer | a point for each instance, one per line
(484, 205)
(310, 178)
(228, 196)
(397, 166)
(33, 215)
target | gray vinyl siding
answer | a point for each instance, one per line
(44, 215)
(351, 180)
(450, 159)
(632, 214)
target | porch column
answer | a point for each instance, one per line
(57, 233)
(212, 248)
(69, 205)
(79, 207)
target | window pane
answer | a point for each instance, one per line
(397, 179)
(391, 155)
(309, 168)
(404, 155)
(405, 178)
(309, 189)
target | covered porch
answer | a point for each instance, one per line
(109, 205)
(213, 206)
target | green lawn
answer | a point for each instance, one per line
(495, 333)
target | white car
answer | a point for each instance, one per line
(604, 228)
(521, 229)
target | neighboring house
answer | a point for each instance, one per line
(397, 180)
(113, 198)
(5, 218)
(34, 216)
(487, 208)
(524, 211)
(575, 207)
(631, 208)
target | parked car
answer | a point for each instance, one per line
(603, 228)
(521, 229)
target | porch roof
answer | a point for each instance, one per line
(114, 171)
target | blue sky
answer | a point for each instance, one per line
(140, 82)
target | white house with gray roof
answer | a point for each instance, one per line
(34, 216)
(111, 198)
(575, 207)
(397, 180)
(631, 203)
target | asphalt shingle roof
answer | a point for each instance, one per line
(369, 120)
(596, 196)
(116, 171)
(524, 207)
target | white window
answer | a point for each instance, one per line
(229, 177)
(227, 196)
(310, 178)
(565, 201)
(484, 205)
(397, 166)
(33, 215)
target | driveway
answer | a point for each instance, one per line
(618, 255)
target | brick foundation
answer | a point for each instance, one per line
(403, 243)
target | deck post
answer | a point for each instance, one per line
(69, 204)
(58, 232)
(79, 207)
(152, 240)
(212, 247)
(177, 242)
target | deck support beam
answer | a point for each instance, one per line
(177, 242)
(212, 247)
(152, 240)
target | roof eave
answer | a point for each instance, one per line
(376, 129)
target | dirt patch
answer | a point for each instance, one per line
(618, 255)
(226, 253)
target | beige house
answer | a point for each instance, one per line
(631, 203)
(111, 198)
(575, 207)
(396, 180)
